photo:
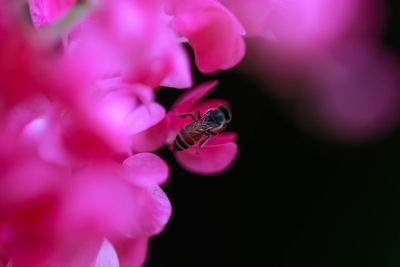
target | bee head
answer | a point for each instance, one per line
(221, 115)
(226, 112)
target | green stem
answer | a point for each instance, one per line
(75, 15)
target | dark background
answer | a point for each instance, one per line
(289, 199)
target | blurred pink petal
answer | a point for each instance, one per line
(87, 136)
(132, 252)
(192, 96)
(145, 117)
(130, 38)
(213, 32)
(212, 159)
(253, 15)
(309, 26)
(179, 74)
(21, 52)
(9, 263)
(358, 92)
(223, 138)
(38, 177)
(146, 169)
(155, 211)
(107, 256)
(207, 104)
(98, 202)
(151, 139)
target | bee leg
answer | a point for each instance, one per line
(198, 115)
(209, 133)
(187, 114)
(202, 143)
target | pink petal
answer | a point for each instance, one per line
(158, 211)
(151, 139)
(133, 252)
(192, 96)
(222, 138)
(28, 179)
(87, 135)
(214, 34)
(97, 202)
(358, 93)
(253, 15)
(145, 117)
(146, 169)
(180, 74)
(306, 27)
(51, 147)
(205, 105)
(107, 256)
(211, 160)
(152, 212)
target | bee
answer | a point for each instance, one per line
(210, 124)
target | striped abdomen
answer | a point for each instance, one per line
(187, 137)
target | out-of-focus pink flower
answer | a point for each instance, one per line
(306, 30)
(57, 196)
(356, 94)
(311, 25)
(253, 15)
(100, 125)
(213, 32)
(219, 152)
(326, 53)
(60, 209)
(132, 39)
(24, 58)
(151, 139)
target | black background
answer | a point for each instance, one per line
(289, 199)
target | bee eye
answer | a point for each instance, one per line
(217, 116)
(226, 112)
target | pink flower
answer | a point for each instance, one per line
(58, 210)
(129, 38)
(213, 32)
(78, 186)
(253, 15)
(65, 190)
(98, 126)
(219, 152)
(356, 94)
(348, 80)
(305, 28)
(21, 53)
